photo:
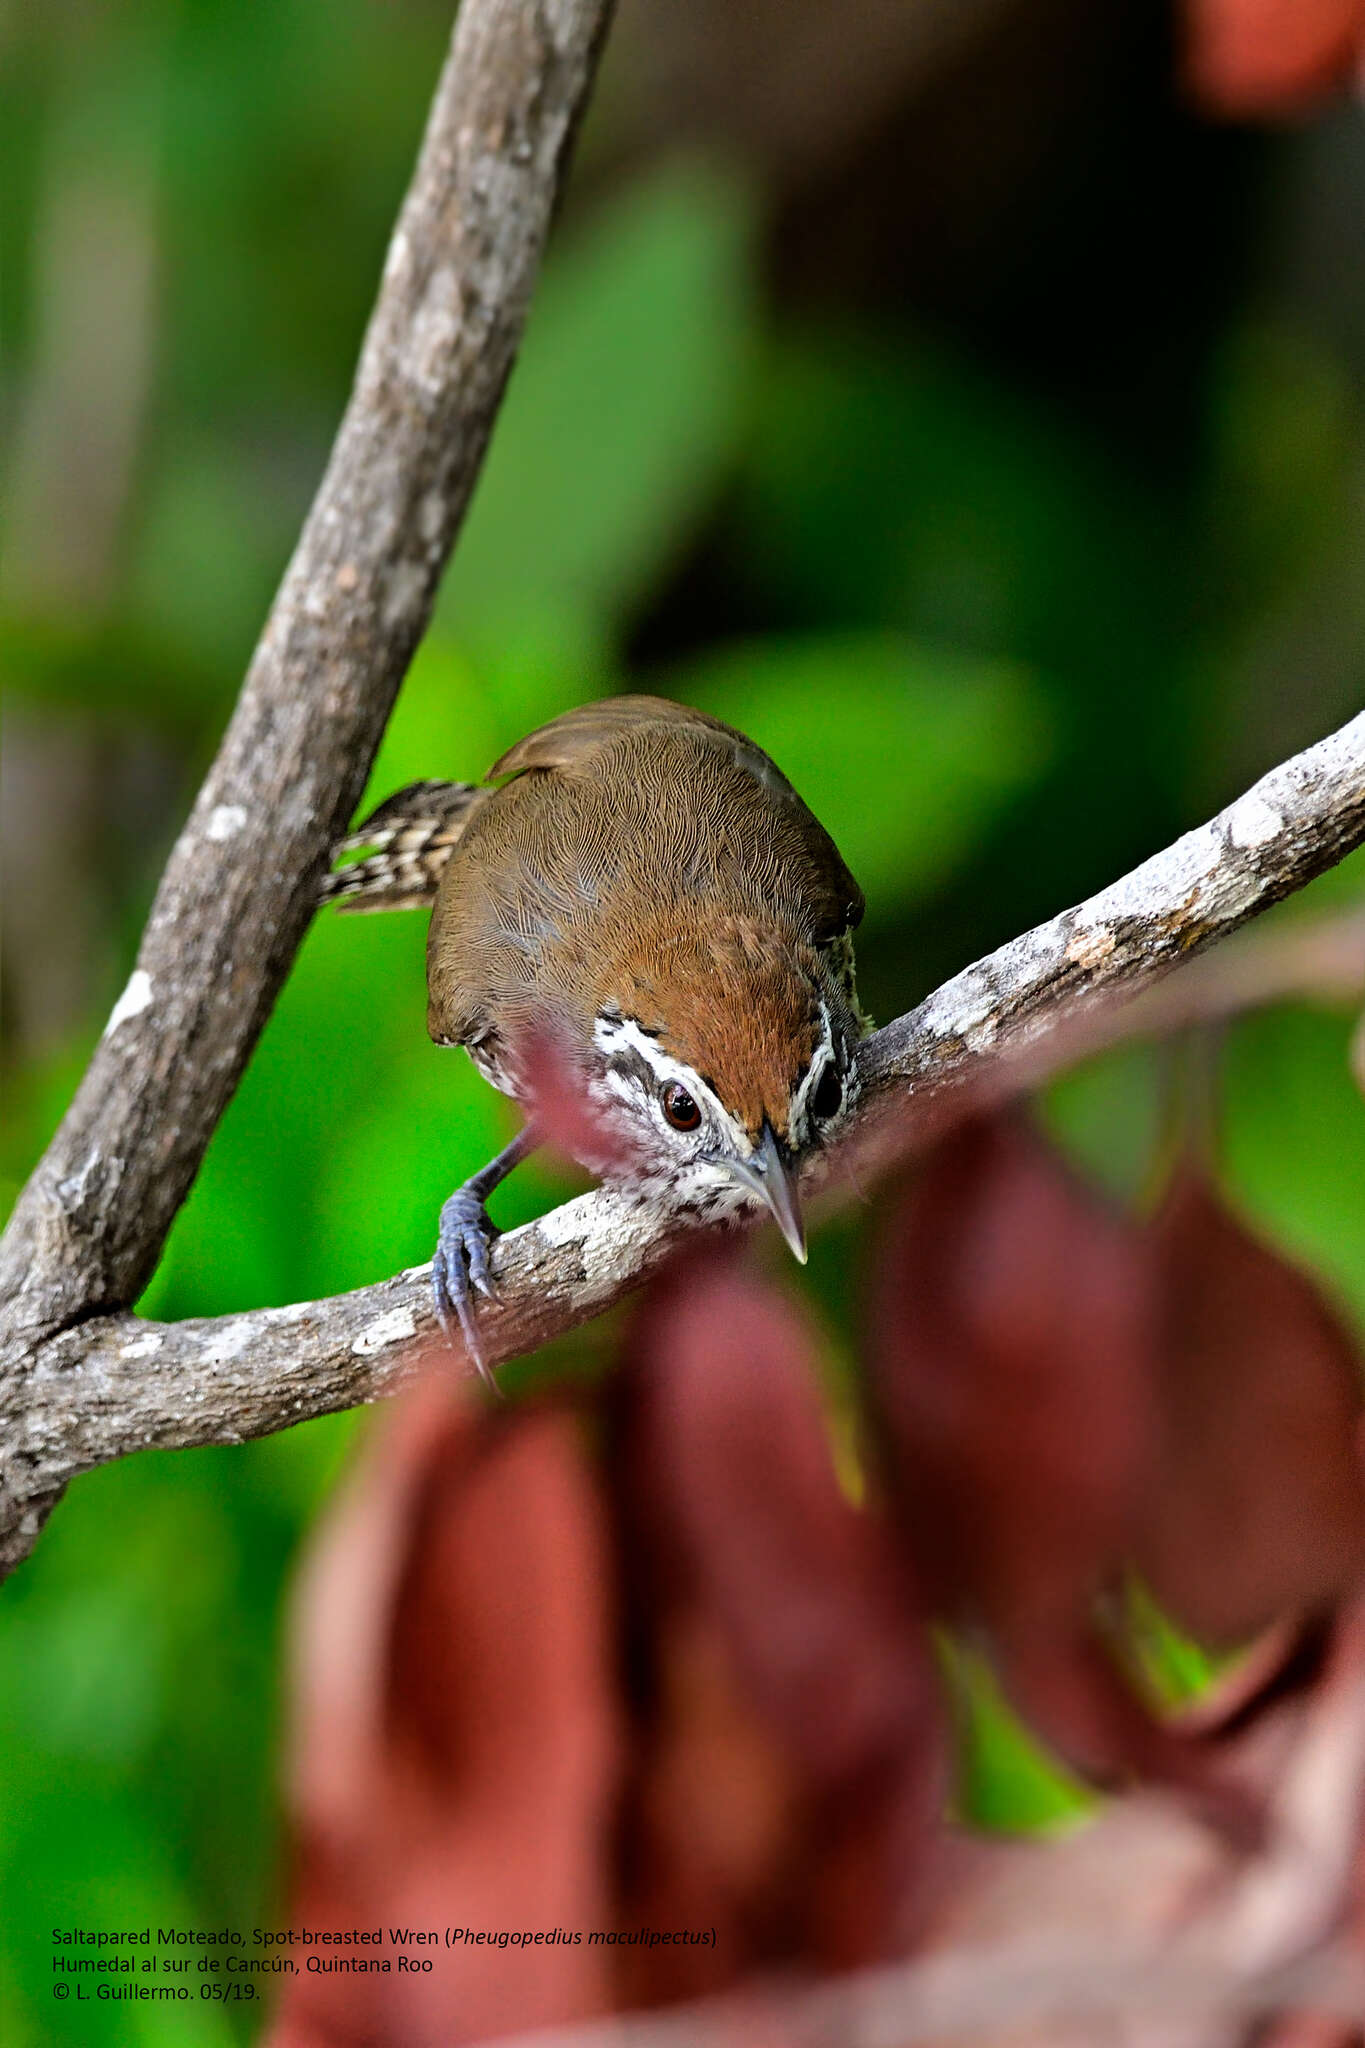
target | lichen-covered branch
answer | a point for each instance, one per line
(240, 884)
(115, 1384)
(1297, 821)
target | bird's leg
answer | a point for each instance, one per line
(459, 1264)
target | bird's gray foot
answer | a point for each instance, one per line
(459, 1266)
(460, 1269)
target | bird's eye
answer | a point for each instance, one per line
(679, 1108)
(828, 1098)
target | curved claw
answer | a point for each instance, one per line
(459, 1269)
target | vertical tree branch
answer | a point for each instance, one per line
(239, 888)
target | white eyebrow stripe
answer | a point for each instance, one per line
(610, 1034)
(821, 1058)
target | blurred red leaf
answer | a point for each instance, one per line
(456, 1737)
(1255, 1509)
(1245, 58)
(1011, 1342)
(749, 1555)
(464, 1750)
(1145, 1894)
(1013, 1354)
(712, 1823)
(666, 1673)
(566, 1116)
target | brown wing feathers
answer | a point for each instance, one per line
(411, 836)
(604, 750)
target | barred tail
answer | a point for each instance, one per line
(410, 836)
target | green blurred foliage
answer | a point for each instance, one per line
(913, 748)
(1000, 657)
(1005, 1782)
(626, 404)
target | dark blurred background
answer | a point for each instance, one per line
(924, 385)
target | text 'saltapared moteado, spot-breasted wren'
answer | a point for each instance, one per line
(647, 888)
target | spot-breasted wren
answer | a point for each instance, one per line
(639, 881)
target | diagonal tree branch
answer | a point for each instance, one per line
(115, 1384)
(241, 881)
(1297, 821)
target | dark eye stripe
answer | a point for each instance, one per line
(633, 1066)
(828, 1097)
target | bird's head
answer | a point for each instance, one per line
(729, 1058)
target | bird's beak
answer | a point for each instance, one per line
(767, 1173)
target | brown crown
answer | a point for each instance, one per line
(739, 1003)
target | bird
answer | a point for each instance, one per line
(639, 880)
